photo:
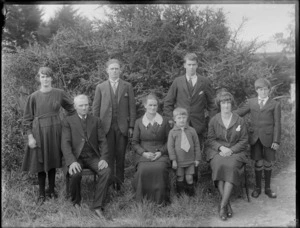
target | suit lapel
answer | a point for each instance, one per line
(183, 82)
(255, 104)
(121, 89)
(107, 89)
(76, 122)
(89, 125)
(267, 103)
(197, 86)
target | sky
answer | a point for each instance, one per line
(263, 20)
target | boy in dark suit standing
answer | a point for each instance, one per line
(194, 93)
(114, 104)
(84, 145)
(264, 133)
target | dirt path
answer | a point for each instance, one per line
(264, 211)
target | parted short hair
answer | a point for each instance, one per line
(224, 95)
(45, 70)
(190, 56)
(180, 111)
(111, 61)
(150, 96)
(262, 82)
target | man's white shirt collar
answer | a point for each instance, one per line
(194, 78)
(114, 82)
(158, 119)
(263, 99)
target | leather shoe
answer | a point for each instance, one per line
(223, 213)
(99, 213)
(270, 193)
(229, 210)
(52, 195)
(256, 193)
(41, 199)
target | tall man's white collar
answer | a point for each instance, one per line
(193, 78)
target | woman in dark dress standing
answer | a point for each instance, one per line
(43, 125)
(227, 141)
(149, 141)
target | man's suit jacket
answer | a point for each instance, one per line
(201, 99)
(73, 138)
(265, 123)
(102, 106)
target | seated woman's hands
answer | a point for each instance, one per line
(157, 155)
(74, 168)
(149, 155)
(225, 151)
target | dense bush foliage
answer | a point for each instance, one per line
(151, 41)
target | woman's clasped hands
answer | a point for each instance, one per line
(152, 156)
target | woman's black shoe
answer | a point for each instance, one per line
(229, 210)
(256, 193)
(223, 213)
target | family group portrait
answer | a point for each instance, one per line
(149, 114)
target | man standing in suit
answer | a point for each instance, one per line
(194, 93)
(264, 133)
(114, 104)
(84, 146)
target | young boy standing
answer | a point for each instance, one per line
(264, 133)
(184, 151)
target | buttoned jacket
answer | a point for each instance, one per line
(74, 138)
(265, 123)
(126, 109)
(202, 98)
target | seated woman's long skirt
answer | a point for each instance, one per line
(226, 169)
(151, 181)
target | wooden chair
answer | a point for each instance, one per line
(85, 172)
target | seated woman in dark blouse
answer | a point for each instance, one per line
(226, 143)
(149, 141)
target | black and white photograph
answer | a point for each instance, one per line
(149, 114)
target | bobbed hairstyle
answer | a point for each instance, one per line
(190, 56)
(224, 95)
(150, 96)
(44, 70)
(180, 111)
(262, 82)
(111, 61)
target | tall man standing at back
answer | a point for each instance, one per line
(114, 103)
(194, 93)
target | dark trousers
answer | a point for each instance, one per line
(117, 144)
(101, 184)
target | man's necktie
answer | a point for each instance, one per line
(261, 104)
(185, 145)
(114, 86)
(191, 83)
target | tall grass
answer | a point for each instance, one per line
(20, 191)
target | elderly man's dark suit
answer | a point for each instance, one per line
(265, 123)
(117, 113)
(87, 145)
(198, 99)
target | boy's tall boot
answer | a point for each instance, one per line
(268, 191)
(258, 177)
(190, 189)
(179, 187)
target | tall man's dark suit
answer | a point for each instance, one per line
(265, 123)
(117, 113)
(84, 142)
(195, 100)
